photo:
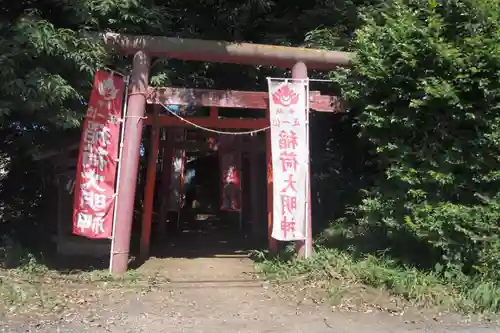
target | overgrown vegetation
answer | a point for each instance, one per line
(33, 289)
(410, 171)
(424, 96)
(342, 273)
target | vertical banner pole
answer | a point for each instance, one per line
(118, 172)
(303, 247)
(308, 242)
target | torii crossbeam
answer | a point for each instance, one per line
(145, 47)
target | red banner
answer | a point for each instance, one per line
(230, 166)
(97, 161)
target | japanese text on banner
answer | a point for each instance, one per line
(289, 148)
(231, 185)
(97, 161)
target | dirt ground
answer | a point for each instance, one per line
(220, 293)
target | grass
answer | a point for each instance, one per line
(340, 274)
(33, 289)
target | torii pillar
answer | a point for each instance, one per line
(304, 247)
(136, 107)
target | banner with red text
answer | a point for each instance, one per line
(230, 165)
(176, 195)
(177, 182)
(290, 154)
(97, 161)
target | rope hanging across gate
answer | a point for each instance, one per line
(252, 132)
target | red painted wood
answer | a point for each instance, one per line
(224, 51)
(255, 206)
(166, 177)
(229, 123)
(232, 99)
(214, 114)
(272, 243)
(206, 146)
(129, 163)
(149, 191)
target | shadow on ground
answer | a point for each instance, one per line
(203, 238)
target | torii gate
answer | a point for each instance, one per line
(143, 48)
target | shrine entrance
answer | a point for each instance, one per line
(183, 195)
(144, 48)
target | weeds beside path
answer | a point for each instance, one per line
(373, 282)
(33, 291)
(209, 295)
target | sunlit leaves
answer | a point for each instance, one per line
(424, 90)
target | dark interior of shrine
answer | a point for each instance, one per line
(199, 228)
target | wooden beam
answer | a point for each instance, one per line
(230, 123)
(232, 98)
(222, 51)
(206, 146)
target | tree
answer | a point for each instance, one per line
(424, 93)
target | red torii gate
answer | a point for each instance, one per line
(143, 47)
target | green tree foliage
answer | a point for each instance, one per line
(424, 92)
(48, 56)
(47, 59)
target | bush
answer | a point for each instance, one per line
(424, 91)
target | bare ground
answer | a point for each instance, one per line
(220, 293)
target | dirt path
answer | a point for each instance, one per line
(213, 288)
(219, 295)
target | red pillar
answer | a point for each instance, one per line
(273, 243)
(130, 162)
(299, 71)
(149, 190)
(166, 177)
(254, 188)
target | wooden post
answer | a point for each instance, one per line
(166, 177)
(254, 187)
(304, 248)
(130, 162)
(149, 190)
(273, 243)
(214, 113)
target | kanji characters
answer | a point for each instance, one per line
(288, 204)
(287, 225)
(88, 221)
(83, 221)
(92, 180)
(97, 133)
(91, 112)
(95, 189)
(290, 184)
(288, 118)
(288, 140)
(93, 200)
(288, 161)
